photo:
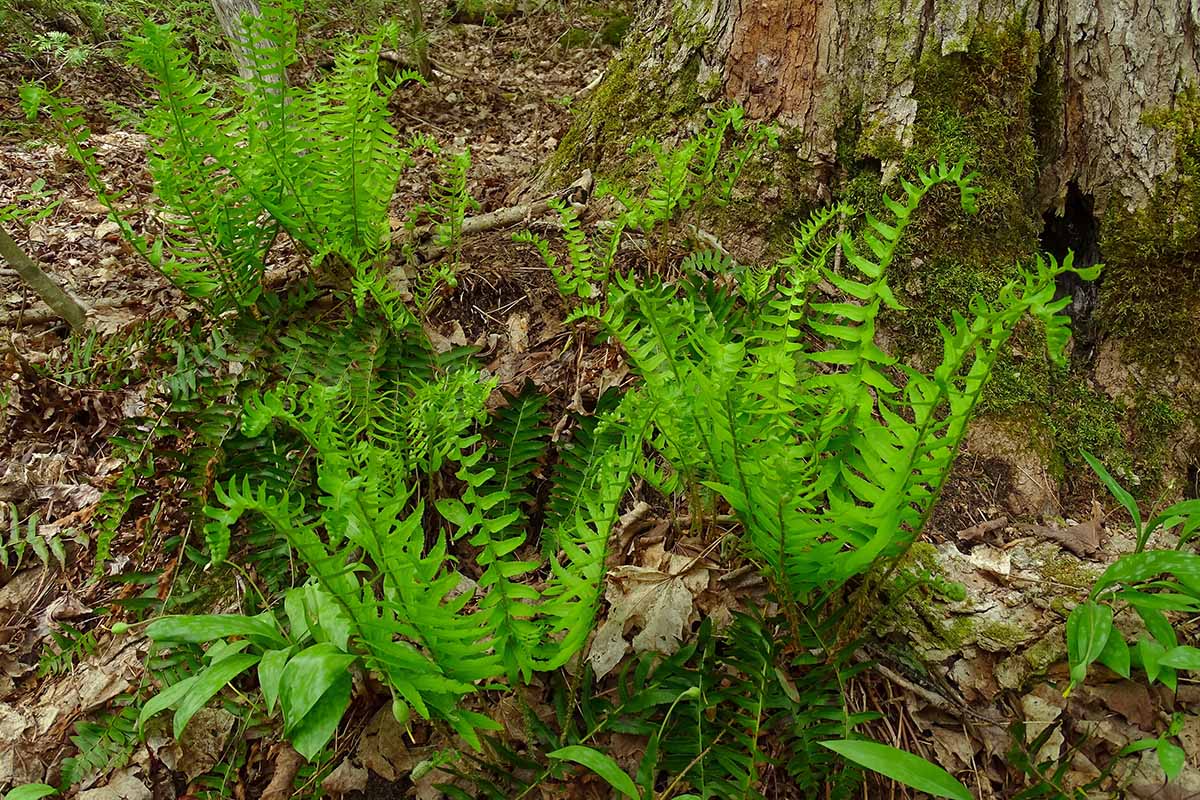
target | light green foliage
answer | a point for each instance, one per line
(303, 667)
(431, 642)
(317, 164)
(696, 169)
(31, 791)
(36, 204)
(904, 767)
(58, 47)
(702, 169)
(1135, 582)
(826, 461)
(449, 197)
(1157, 586)
(20, 538)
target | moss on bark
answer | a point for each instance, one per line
(642, 94)
(1151, 289)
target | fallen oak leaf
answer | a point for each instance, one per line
(658, 604)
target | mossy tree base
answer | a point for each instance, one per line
(1045, 105)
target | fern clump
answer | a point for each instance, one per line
(317, 164)
(831, 456)
(385, 535)
(701, 170)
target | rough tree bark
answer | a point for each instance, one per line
(812, 66)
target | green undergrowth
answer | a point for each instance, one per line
(398, 534)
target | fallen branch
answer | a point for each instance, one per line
(577, 193)
(58, 299)
(41, 314)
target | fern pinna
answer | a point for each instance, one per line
(826, 461)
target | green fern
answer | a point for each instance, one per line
(700, 168)
(103, 745)
(23, 536)
(373, 441)
(318, 164)
(518, 444)
(826, 461)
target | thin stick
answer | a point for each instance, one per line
(53, 295)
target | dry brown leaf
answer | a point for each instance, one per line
(1082, 539)
(16, 765)
(283, 779)
(1130, 699)
(347, 777)
(123, 785)
(203, 741)
(518, 332)
(658, 604)
(976, 533)
(382, 750)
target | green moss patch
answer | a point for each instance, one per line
(1150, 295)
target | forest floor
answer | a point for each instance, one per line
(505, 92)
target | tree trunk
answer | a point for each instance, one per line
(814, 66)
(1078, 118)
(232, 15)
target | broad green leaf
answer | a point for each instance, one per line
(601, 764)
(1171, 758)
(1137, 747)
(307, 676)
(331, 617)
(902, 767)
(1150, 651)
(1183, 657)
(207, 684)
(1088, 629)
(314, 731)
(31, 791)
(200, 628)
(297, 613)
(270, 673)
(165, 699)
(1115, 654)
(1159, 626)
(1139, 567)
(1122, 496)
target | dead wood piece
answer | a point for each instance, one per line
(287, 764)
(61, 303)
(577, 193)
(975, 533)
(40, 315)
(1082, 539)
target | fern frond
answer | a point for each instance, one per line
(103, 745)
(518, 445)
